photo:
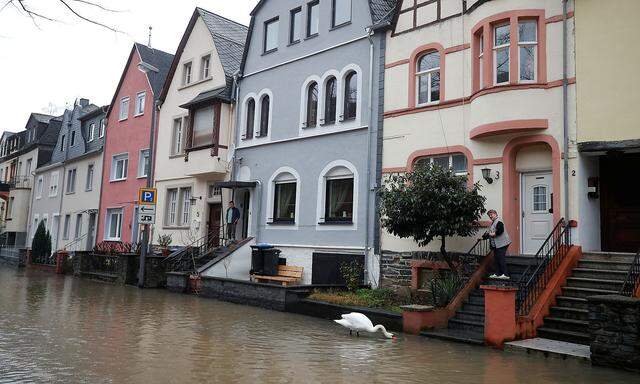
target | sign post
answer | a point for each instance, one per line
(147, 199)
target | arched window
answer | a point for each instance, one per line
(350, 96)
(428, 78)
(250, 118)
(331, 95)
(339, 186)
(312, 104)
(284, 198)
(264, 115)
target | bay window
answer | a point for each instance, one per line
(501, 55)
(203, 125)
(527, 49)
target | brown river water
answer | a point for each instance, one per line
(64, 330)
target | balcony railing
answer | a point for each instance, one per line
(20, 182)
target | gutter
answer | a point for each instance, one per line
(565, 107)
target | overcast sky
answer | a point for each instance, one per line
(59, 62)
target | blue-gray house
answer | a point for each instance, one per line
(308, 128)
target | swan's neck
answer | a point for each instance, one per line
(384, 330)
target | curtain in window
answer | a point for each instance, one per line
(312, 104)
(264, 116)
(331, 93)
(203, 127)
(285, 201)
(339, 200)
(251, 114)
(350, 96)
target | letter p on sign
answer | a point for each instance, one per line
(147, 196)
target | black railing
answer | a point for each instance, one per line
(535, 278)
(194, 255)
(632, 280)
(469, 262)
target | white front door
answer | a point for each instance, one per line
(537, 210)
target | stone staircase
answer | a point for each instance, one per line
(597, 273)
(467, 325)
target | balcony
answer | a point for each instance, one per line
(20, 182)
(207, 161)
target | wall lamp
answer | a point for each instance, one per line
(486, 174)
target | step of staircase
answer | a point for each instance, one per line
(470, 315)
(469, 325)
(457, 335)
(587, 282)
(572, 302)
(595, 273)
(564, 335)
(619, 257)
(604, 265)
(569, 313)
(586, 292)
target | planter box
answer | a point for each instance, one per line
(416, 318)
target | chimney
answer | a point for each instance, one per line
(83, 102)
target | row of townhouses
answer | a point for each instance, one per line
(298, 117)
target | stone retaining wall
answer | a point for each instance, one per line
(614, 325)
(395, 267)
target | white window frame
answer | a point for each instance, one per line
(114, 162)
(53, 186)
(103, 125)
(91, 170)
(177, 148)
(107, 228)
(39, 187)
(92, 129)
(205, 70)
(178, 206)
(534, 44)
(325, 174)
(185, 206)
(141, 162)
(481, 61)
(431, 159)
(187, 73)
(124, 108)
(72, 174)
(141, 98)
(428, 73)
(497, 48)
(171, 218)
(283, 175)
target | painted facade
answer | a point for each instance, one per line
(608, 133)
(66, 192)
(306, 140)
(196, 127)
(126, 153)
(479, 86)
(20, 154)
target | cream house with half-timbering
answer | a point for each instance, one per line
(194, 136)
(478, 85)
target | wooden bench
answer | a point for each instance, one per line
(287, 274)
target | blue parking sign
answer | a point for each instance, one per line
(147, 196)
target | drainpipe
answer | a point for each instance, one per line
(565, 107)
(370, 33)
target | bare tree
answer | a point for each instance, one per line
(71, 6)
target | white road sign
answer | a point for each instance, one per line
(147, 214)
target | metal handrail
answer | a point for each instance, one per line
(632, 281)
(470, 261)
(74, 241)
(185, 259)
(547, 260)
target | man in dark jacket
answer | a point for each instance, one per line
(499, 241)
(232, 217)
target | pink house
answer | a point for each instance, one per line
(126, 152)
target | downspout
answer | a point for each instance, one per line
(565, 107)
(370, 33)
(61, 186)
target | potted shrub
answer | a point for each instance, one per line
(165, 241)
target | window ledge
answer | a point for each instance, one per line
(184, 86)
(269, 51)
(340, 25)
(138, 115)
(116, 180)
(176, 156)
(174, 227)
(338, 222)
(293, 43)
(123, 119)
(312, 36)
(281, 222)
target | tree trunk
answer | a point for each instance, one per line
(443, 250)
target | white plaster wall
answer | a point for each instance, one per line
(588, 230)
(235, 266)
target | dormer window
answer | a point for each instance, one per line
(92, 131)
(62, 143)
(73, 138)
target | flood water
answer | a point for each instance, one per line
(63, 330)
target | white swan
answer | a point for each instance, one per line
(357, 322)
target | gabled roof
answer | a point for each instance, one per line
(228, 38)
(159, 59)
(152, 56)
(41, 117)
(222, 93)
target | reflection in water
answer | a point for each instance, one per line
(65, 330)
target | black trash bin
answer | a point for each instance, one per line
(264, 259)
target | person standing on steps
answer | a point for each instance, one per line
(499, 242)
(233, 215)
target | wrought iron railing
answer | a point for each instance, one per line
(468, 265)
(189, 258)
(632, 280)
(72, 245)
(20, 182)
(536, 276)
